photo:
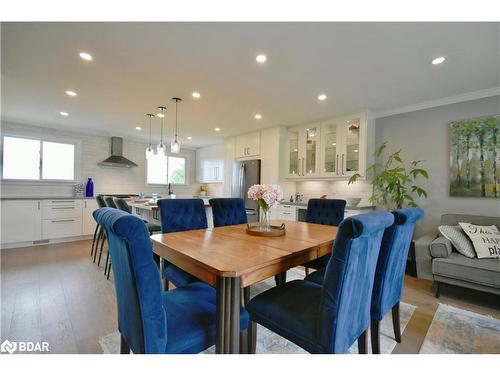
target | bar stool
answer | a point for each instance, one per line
(99, 232)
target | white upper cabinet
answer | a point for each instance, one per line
(248, 145)
(210, 164)
(334, 148)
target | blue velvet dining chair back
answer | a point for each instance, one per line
(391, 264)
(228, 211)
(141, 316)
(325, 211)
(348, 282)
(179, 215)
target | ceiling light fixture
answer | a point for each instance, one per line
(322, 97)
(138, 128)
(217, 129)
(86, 56)
(438, 60)
(149, 150)
(196, 95)
(64, 113)
(160, 149)
(258, 116)
(189, 138)
(261, 58)
(175, 145)
(70, 93)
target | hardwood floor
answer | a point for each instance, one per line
(55, 293)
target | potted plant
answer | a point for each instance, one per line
(266, 197)
(393, 182)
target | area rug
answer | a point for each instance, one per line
(458, 331)
(270, 343)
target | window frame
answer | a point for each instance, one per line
(42, 138)
(186, 169)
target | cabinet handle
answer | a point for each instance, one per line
(303, 173)
(298, 166)
(337, 168)
(62, 208)
(342, 163)
(63, 201)
(38, 205)
(61, 221)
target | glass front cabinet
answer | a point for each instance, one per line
(334, 148)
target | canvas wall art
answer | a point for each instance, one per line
(474, 157)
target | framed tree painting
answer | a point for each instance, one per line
(475, 157)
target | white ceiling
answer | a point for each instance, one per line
(138, 66)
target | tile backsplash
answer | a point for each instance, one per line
(334, 189)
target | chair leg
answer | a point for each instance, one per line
(438, 289)
(124, 347)
(307, 270)
(100, 251)
(280, 278)
(375, 334)
(162, 265)
(94, 239)
(99, 237)
(363, 343)
(106, 263)
(396, 322)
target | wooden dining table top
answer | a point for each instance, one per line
(230, 252)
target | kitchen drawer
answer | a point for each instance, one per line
(60, 211)
(287, 212)
(59, 228)
(62, 202)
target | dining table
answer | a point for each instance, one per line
(232, 260)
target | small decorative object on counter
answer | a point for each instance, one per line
(203, 191)
(266, 197)
(79, 190)
(89, 188)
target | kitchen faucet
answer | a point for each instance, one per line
(170, 191)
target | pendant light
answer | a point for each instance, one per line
(161, 147)
(149, 150)
(175, 145)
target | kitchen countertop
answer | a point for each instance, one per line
(42, 198)
(304, 204)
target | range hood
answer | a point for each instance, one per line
(116, 159)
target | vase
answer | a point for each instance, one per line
(265, 225)
(89, 188)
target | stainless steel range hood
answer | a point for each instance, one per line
(116, 159)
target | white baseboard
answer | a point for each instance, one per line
(17, 245)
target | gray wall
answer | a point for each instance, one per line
(425, 135)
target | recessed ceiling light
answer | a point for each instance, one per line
(261, 59)
(217, 129)
(160, 115)
(64, 113)
(258, 116)
(196, 95)
(70, 93)
(86, 56)
(322, 97)
(438, 60)
(138, 128)
(189, 138)
(355, 150)
(334, 144)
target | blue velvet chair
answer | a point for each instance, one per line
(326, 212)
(329, 318)
(149, 320)
(389, 275)
(228, 211)
(178, 215)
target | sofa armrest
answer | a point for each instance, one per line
(441, 247)
(423, 257)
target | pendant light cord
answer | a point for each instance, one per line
(176, 119)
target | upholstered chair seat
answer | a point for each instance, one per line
(329, 317)
(151, 321)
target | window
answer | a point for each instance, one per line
(34, 159)
(166, 170)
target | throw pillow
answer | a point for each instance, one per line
(458, 239)
(485, 238)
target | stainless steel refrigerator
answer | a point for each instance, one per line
(245, 174)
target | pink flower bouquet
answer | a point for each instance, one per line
(267, 196)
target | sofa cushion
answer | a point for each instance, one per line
(485, 238)
(458, 239)
(440, 248)
(479, 271)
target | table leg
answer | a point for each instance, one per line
(251, 334)
(228, 315)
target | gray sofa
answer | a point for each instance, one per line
(437, 261)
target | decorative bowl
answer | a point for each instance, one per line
(353, 201)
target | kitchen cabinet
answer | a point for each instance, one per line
(248, 145)
(21, 221)
(335, 148)
(303, 151)
(287, 212)
(210, 164)
(61, 218)
(88, 222)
